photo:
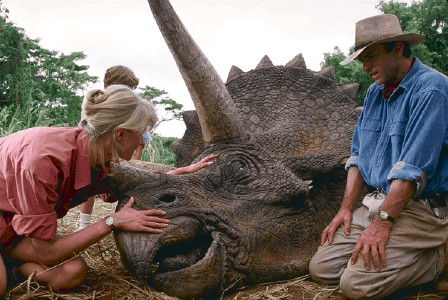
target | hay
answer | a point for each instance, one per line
(299, 288)
(108, 280)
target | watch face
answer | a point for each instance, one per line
(383, 215)
(110, 221)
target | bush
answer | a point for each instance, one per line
(13, 119)
(159, 151)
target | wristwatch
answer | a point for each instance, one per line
(110, 221)
(384, 216)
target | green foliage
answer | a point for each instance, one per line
(428, 17)
(60, 81)
(40, 87)
(28, 115)
(349, 73)
(159, 151)
(172, 109)
(33, 76)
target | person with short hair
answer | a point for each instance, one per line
(400, 153)
(45, 171)
(120, 74)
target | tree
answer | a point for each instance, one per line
(172, 110)
(40, 87)
(37, 78)
(428, 17)
(350, 73)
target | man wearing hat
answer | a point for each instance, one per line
(396, 238)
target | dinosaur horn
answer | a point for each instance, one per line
(217, 113)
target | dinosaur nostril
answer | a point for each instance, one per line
(167, 198)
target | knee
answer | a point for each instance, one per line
(73, 274)
(323, 271)
(349, 289)
(352, 287)
(316, 269)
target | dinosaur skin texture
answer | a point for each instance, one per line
(283, 135)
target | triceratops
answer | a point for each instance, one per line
(282, 134)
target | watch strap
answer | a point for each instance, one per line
(384, 216)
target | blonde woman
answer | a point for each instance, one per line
(118, 74)
(45, 171)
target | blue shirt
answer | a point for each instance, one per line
(405, 137)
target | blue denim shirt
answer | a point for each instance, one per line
(405, 137)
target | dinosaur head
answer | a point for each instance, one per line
(282, 134)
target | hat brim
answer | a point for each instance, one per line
(413, 39)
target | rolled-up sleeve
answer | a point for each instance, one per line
(354, 150)
(41, 226)
(352, 161)
(405, 171)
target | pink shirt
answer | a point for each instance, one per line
(44, 171)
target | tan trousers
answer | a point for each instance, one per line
(415, 254)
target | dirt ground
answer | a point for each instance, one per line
(107, 278)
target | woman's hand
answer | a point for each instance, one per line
(130, 219)
(205, 162)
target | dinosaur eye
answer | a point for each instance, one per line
(167, 198)
(237, 172)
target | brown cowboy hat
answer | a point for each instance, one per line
(380, 29)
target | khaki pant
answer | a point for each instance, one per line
(415, 254)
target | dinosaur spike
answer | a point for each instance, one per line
(234, 71)
(359, 109)
(265, 62)
(327, 72)
(297, 61)
(189, 117)
(350, 90)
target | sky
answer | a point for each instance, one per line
(229, 32)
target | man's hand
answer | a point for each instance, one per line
(372, 243)
(343, 217)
